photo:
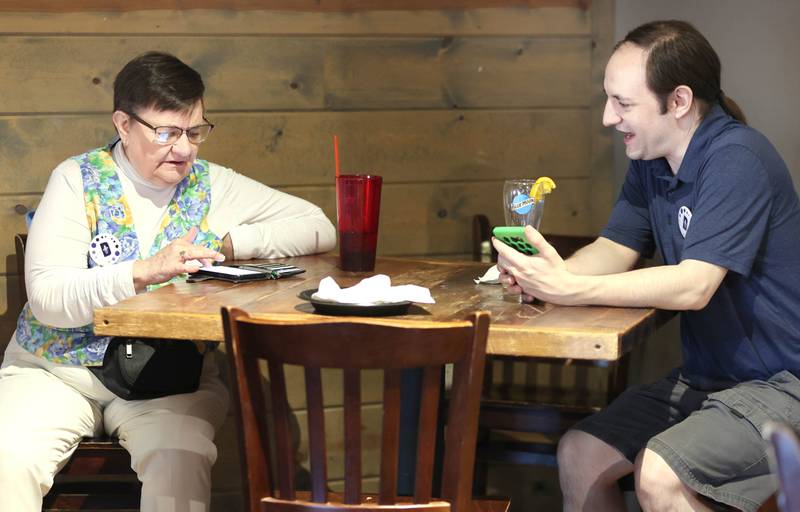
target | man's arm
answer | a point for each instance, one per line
(687, 286)
(602, 256)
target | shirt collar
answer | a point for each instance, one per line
(715, 121)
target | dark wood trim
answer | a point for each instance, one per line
(278, 5)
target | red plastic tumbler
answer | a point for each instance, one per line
(358, 205)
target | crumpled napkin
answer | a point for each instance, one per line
(377, 289)
(492, 276)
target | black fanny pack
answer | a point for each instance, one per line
(139, 369)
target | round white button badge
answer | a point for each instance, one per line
(105, 249)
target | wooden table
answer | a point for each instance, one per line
(192, 310)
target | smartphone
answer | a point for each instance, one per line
(514, 236)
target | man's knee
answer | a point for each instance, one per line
(569, 448)
(580, 453)
(656, 482)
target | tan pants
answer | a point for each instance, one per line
(46, 408)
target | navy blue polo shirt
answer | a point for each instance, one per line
(733, 204)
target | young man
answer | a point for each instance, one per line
(716, 200)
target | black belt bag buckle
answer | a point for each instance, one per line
(140, 369)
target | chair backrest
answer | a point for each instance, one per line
(20, 239)
(786, 462)
(352, 345)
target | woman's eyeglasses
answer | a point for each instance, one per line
(168, 135)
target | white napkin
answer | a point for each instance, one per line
(372, 290)
(492, 276)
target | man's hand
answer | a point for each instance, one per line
(543, 276)
(688, 285)
(179, 257)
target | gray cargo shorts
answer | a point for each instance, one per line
(711, 439)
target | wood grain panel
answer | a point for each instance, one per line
(12, 221)
(457, 72)
(286, 5)
(475, 21)
(603, 183)
(296, 148)
(33, 146)
(403, 146)
(75, 74)
(438, 219)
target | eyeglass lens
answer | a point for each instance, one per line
(170, 134)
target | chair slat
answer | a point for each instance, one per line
(257, 411)
(391, 436)
(462, 422)
(283, 438)
(316, 436)
(352, 436)
(426, 435)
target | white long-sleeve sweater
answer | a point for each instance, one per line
(63, 291)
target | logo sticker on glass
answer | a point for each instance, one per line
(522, 204)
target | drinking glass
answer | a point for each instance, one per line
(518, 206)
(358, 203)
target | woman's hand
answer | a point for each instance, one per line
(227, 247)
(543, 276)
(179, 257)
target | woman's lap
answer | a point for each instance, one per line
(47, 415)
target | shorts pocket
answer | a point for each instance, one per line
(746, 408)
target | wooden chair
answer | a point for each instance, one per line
(98, 476)
(511, 411)
(352, 345)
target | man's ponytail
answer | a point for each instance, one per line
(731, 107)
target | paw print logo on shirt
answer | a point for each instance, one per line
(684, 219)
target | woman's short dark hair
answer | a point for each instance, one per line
(678, 54)
(158, 80)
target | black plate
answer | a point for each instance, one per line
(326, 307)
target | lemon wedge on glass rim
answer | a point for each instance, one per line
(541, 187)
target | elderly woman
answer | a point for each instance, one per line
(114, 222)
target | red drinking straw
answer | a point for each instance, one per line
(336, 153)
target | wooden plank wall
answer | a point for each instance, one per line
(444, 103)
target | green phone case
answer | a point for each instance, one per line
(514, 236)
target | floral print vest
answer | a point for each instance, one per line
(107, 212)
